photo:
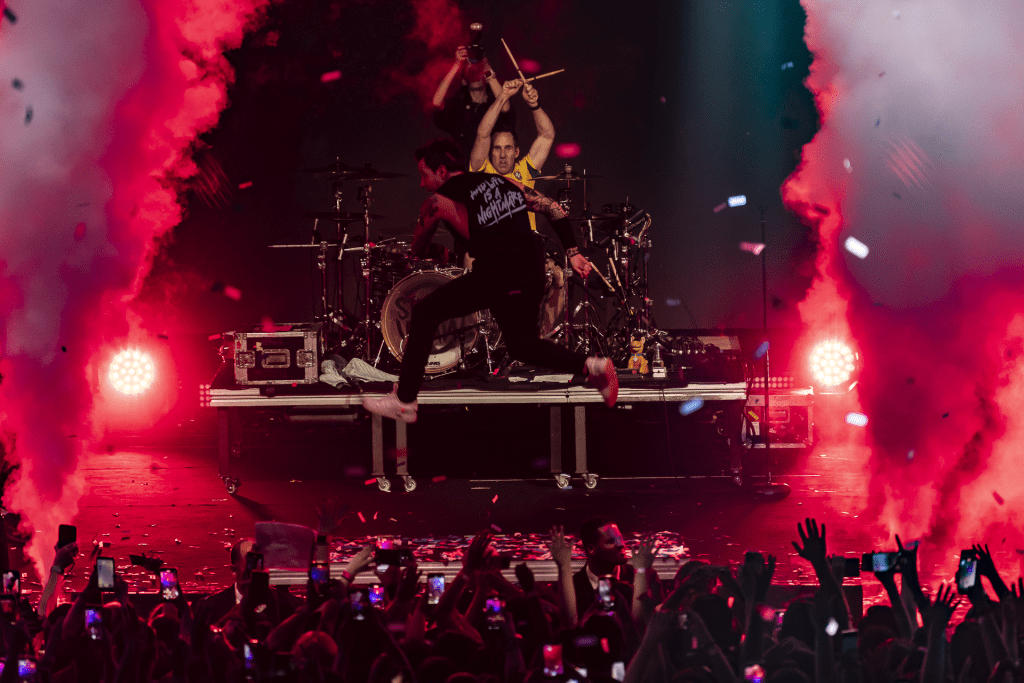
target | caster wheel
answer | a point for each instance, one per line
(383, 484)
(562, 481)
(409, 484)
(590, 480)
(232, 484)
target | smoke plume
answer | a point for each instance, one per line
(99, 107)
(920, 156)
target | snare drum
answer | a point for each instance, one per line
(456, 338)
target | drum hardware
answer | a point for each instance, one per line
(363, 173)
(338, 216)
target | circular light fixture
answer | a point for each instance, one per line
(132, 372)
(832, 363)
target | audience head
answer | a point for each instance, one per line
(603, 544)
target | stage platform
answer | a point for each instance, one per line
(322, 402)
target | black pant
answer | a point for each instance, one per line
(515, 307)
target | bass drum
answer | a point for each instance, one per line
(456, 338)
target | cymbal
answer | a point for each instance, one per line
(329, 243)
(346, 172)
(571, 175)
(339, 216)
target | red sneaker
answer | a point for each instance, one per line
(602, 376)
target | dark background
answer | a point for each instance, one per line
(677, 105)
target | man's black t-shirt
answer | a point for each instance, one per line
(500, 238)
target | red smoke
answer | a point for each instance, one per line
(119, 92)
(908, 161)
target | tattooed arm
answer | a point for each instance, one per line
(540, 203)
(435, 209)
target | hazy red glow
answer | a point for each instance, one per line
(116, 105)
(915, 158)
(440, 28)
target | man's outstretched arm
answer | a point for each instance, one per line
(541, 147)
(435, 209)
(482, 145)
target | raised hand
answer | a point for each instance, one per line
(475, 556)
(986, 567)
(530, 95)
(328, 515)
(643, 556)
(526, 579)
(813, 549)
(510, 88)
(561, 549)
(65, 556)
(361, 561)
(409, 583)
(944, 606)
(461, 54)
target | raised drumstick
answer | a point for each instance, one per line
(514, 63)
(550, 73)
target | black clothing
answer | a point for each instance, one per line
(500, 238)
(460, 117)
(507, 278)
(586, 596)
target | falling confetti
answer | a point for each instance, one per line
(691, 406)
(857, 419)
(672, 302)
(28, 115)
(375, 514)
(496, 528)
(10, 15)
(232, 292)
(243, 186)
(330, 76)
(17, 84)
(847, 165)
(738, 200)
(369, 481)
(999, 499)
(361, 518)
(495, 499)
(754, 248)
(856, 247)
(720, 207)
(910, 455)
(787, 65)
(440, 478)
(761, 350)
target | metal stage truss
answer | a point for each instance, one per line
(228, 401)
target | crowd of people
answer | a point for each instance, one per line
(612, 619)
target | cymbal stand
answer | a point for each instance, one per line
(366, 199)
(321, 263)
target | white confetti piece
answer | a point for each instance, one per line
(738, 200)
(847, 165)
(754, 248)
(857, 419)
(691, 406)
(856, 247)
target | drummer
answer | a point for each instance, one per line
(497, 150)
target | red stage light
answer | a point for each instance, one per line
(832, 364)
(132, 372)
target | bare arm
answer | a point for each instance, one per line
(446, 82)
(482, 145)
(561, 553)
(435, 209)
(541, 147)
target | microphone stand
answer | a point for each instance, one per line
(770, 489)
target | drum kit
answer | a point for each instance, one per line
(601, 315)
